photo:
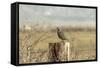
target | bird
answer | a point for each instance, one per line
(60, 34)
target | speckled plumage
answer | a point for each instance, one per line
(60, 34)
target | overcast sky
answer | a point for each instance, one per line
(32, 14)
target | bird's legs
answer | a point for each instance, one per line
(63, 42)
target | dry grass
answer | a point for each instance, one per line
(33, 45)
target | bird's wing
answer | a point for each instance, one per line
(61, 35)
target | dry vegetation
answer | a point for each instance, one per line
(33, 45)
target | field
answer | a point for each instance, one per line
(33, 45)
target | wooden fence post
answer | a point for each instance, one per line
(59, 51)
(68, 50)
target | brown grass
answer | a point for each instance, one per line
(33, 45)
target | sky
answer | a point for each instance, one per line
(54, 15)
